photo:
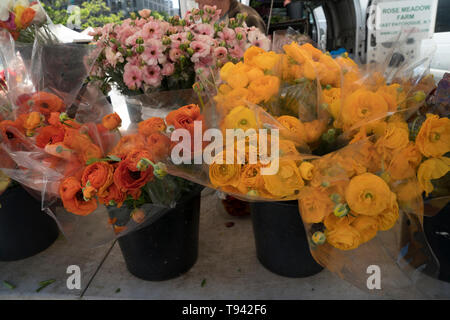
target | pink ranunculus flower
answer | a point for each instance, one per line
(124, 33)
(228, 35)
(220, 53)
(152, 76)
(203, 29)
(201, 50)
(132, 76)
(153, 51)
(113, 57)
(151, 30)
(145, 13)
(175, 54)
(258, 39)
(236, 52)
(168, 69)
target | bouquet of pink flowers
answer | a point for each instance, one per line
(144, 54)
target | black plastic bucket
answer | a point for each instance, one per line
(166, 248)
(25, 230)
(437, 231)
(281, 241)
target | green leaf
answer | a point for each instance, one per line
(203, 283)
(8, 285)
(44, 284)
(117, 290)
(114, 158)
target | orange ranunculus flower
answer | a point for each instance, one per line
(293, 129)
(263, 88)
(367, 194)
(71, 194)
(314, 204)
(433, 168)
(388, 218)
(332, 97)
(366, 226)
(251, 179)
(184, 117)
(252, 52)
(128, 143)
(314, 129)
(99, 175)
(113, 196)
(287, 182)
(27, 17)
(46, 103)
(223, 174)
(394, 95)
(404, 162)
(159, 146)
(128, 177)
(433, 139)
(343, 237)
(363, 106)
(151, 125)
(49, 135)
(112, 121)
(31, 121)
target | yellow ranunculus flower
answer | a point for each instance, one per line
(396, 137)
(343, 237)
(294, 51)
(314, 205)
(430, 169)
(264, 88)
(266, 61)
(433, 139)
(409, 195)
(254, 73)
(224, 174)
(288, 150)
(366, 226)
(251, 179)
(293, 129)
(252, 52)
(394, 96)
(238, 80)
(287, 182)
(306, 170)
(404, 162)
(226, 70)
(225, 89)
(388, 218)
(367, 194)
(332, 97)
(362, 106)
(240, 118)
